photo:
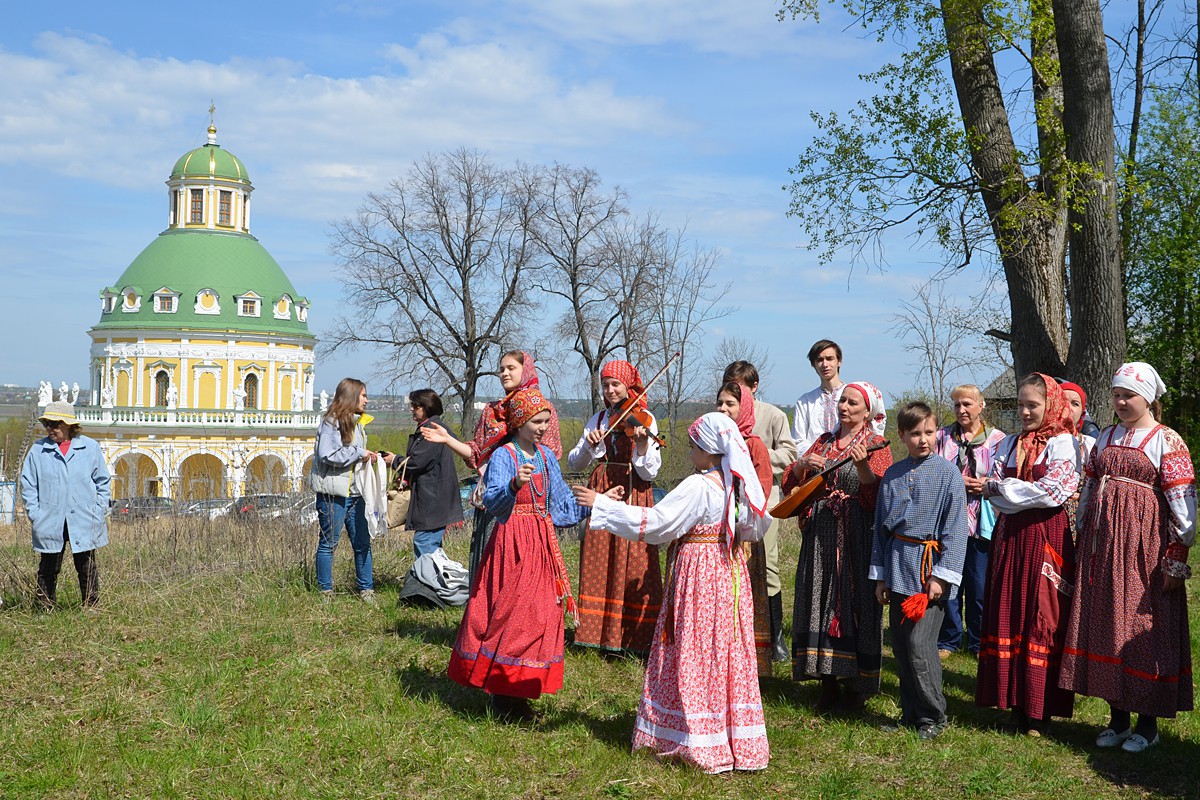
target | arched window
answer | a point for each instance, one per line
(250, 386)
(162, 382)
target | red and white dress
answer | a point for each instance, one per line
(1027, 596)
(1128, 640)
(700, 701)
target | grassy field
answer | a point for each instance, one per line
(213, 671)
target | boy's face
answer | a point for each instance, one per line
(920, 440)
(827, 364)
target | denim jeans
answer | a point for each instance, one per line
(427, 541)
(969, 600)
(334, 513)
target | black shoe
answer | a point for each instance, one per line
(512, 709)
(930, 730)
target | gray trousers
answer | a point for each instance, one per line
(915, 646)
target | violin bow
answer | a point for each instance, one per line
(645, 389)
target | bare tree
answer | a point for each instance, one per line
(734, 348)
(944, 338)
(688, 298)
(435, 271)
(573, 232)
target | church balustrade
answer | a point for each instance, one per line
(197, 417)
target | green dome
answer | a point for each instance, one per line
(189, 261)
(210, 161)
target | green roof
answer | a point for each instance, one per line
(188, 261)
(210, 161)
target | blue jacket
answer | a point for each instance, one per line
(71, 490)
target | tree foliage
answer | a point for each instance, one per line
(954, 148)
(1164, 256)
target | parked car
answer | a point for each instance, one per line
(131, 508)
(262, 506)
(207, 509)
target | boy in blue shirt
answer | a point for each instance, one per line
(917, 561)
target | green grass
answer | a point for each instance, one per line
(213, 671)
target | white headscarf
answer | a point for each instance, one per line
(1140, 377)
(876, 413)
(717, 434)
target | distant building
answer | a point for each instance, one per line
(202, 361)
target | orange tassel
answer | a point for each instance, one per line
(914, 607)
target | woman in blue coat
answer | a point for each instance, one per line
(64, 486)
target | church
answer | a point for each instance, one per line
(202, 362)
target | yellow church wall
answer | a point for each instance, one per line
(208, 391)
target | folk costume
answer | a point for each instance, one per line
(816, 414)
(756, 562)
(620, 583)
(973, 457)
(491, 432)
(920, 532)
(1128, 640)
(837, 625)
(1086, 443)
(510, 641)
(700, 701)
(1031, 569)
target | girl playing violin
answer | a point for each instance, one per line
(620, 585)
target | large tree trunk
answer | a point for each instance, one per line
(1027, 222)
(1097, 307)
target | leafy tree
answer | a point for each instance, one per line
(1164, 257)
(1013, 172)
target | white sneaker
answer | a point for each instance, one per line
(1110, 738)
(368, 597)
(1137, 743)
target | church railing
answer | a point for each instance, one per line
(198, 417)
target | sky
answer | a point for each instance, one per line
(697, 110)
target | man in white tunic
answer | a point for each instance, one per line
(816, 411)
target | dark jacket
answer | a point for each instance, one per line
(436, 502)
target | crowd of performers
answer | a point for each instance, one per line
(1054, 556)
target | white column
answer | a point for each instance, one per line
(183, 373)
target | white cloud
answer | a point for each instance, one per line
(81, 108)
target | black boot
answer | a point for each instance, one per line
(779, 650)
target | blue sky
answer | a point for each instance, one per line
(697, 110)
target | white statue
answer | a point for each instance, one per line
(324, 401)
(297, 399)
(63, 392)
(45, 393)
(239, 399)
(172, 396)
(74, 392)
(108, 395)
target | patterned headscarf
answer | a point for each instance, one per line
(1067, 386)
(1057, 420)
(1140, 377)
(876, 412)
(627, 374)
(529, 376)
(745, 417)
(717, 434)
(522, 406)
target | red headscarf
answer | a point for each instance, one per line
(745, 417)
(1056, 420)
(1067, 386)
(522, 406)
(491, 429)
(627, 374)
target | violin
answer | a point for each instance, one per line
(629, 409)
(807, 492)
(634, 415)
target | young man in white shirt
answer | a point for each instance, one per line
(816, 411)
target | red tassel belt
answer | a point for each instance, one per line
(703, 538)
